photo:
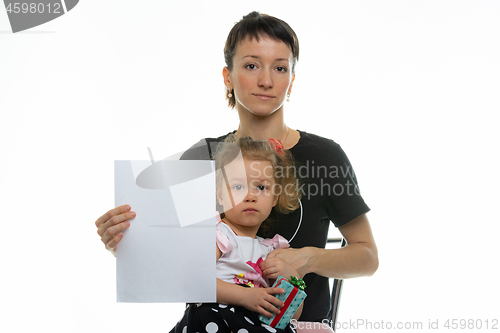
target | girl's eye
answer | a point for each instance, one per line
(262, 187)
(237, 187)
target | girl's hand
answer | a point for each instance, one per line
(262, 300)
(110, 226)
(275, 266)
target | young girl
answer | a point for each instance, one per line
(253, 188)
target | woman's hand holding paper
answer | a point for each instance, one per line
(111, 225)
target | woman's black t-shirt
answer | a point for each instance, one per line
(329, 193)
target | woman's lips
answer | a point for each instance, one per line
(263, 97)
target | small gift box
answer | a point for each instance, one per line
(294, 296)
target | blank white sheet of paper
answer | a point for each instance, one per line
(168, 252)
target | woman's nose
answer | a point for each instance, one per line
(265, 79)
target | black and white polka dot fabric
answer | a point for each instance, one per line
(221, 318)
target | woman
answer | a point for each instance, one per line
(261, 52)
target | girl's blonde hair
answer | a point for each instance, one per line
(281, 161)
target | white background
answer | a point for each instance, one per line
(408, 88)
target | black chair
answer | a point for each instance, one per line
(336, 289)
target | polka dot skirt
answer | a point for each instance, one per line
(220, 318)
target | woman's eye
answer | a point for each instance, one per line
(282, 69)
(251, 66)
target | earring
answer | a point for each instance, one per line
(288, 98)
(229, 95)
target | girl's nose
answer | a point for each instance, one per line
(251, 197)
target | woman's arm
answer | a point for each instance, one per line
(298, 312)
(358, 258)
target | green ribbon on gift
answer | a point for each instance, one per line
(298, 282)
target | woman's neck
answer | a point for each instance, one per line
(262, 127)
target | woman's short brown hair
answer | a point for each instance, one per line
(254, 25)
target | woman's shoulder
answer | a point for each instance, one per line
(203, 149)
(220, 138)
(315, 143)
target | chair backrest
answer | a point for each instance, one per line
(336, 289)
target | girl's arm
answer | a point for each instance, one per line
(260, 300)
(275, 267)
